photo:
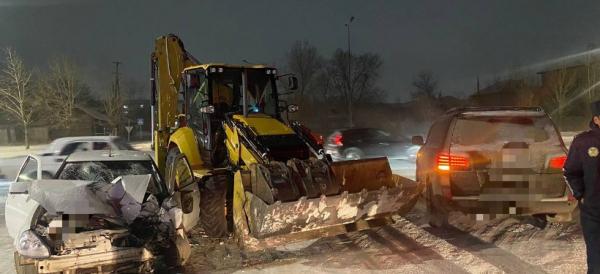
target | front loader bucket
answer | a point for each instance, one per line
(369, 174)
(368, 191)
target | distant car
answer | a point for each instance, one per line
(492, 161)
(59, 149)
(105, 240)
(360, 143)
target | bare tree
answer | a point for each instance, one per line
(17, 95)
(523, 79)
(63, 90)
(526, 98)
(133, 89)
(592, 71)
(359, 85)
(561, 85)
(304, 61)
(113, 106)
(426, 86)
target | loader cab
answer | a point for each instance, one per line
(220, 88)
(213, 92)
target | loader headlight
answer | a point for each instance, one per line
(207, 109)
(31, 245)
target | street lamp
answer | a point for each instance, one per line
(350, 75)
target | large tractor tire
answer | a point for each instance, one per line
(213, 204)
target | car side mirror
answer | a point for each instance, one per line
(18, 188)
(418, 140)
(293, 83)
(293, 108)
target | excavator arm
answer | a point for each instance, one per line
(169, 59)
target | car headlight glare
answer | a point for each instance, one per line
(32, 246)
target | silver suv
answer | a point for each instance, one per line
(492, 161)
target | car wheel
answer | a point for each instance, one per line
(438, 218)
(24, 269)
(354, 154)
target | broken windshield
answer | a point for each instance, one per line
(107, 171)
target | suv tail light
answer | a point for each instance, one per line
(558, 162)
(337, 140)
(571, 198)
(451, 162)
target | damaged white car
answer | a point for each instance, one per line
(105, 213)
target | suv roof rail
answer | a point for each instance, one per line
(499, 108)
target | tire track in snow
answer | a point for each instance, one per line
(488, 252)
(462, 258)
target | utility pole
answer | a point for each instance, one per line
(351, 120)
(116, 88)
(116, 94)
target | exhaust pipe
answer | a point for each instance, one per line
(244, 93)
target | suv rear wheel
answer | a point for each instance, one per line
(437, 216)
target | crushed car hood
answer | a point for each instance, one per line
(123, 211)
(121, 198)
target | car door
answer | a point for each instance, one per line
(399, 147)
(364, 139)
(387, 144)
(18, 205)
(184, 188)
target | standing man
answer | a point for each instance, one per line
(582, 172)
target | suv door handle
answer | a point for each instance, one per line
(59, 160)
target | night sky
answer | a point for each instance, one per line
(457, 40)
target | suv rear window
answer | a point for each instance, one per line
(484, 139)
(495, 131)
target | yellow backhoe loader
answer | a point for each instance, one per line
(265, 179)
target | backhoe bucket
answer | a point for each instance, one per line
(368, 191)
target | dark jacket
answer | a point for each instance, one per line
(582, 170)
